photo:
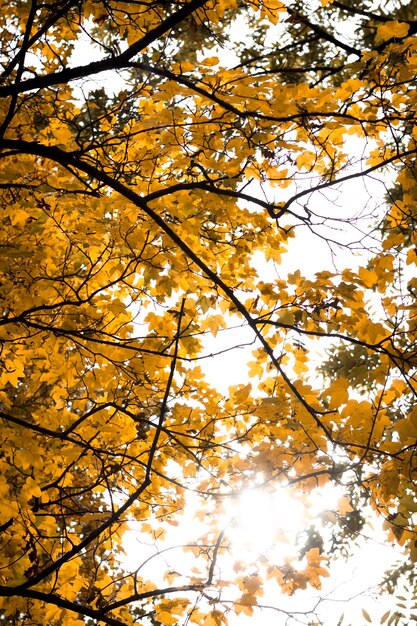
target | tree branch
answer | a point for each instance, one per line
(323, 34)
(120, 61)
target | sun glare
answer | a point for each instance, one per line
(266, 523)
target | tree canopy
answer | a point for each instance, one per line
(159, 160)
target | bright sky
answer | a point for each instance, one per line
(257, 520)
(350, 586)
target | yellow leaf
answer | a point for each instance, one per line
(52, 614)
(4, 491)
(31, 489)
(240, 393)
(393, 29)
(338, 392)
(245, 604)
(186, 66)
(214, 618)
(103, 582)
(13, 374)
(306, 160)
(253, 585)
(344, 506)
(255, 369)
(210, 61)
(20, 217)
(368, 277)
(412, 257)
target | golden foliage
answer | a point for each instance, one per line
(134, 225)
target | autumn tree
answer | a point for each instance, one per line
(155, 169)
